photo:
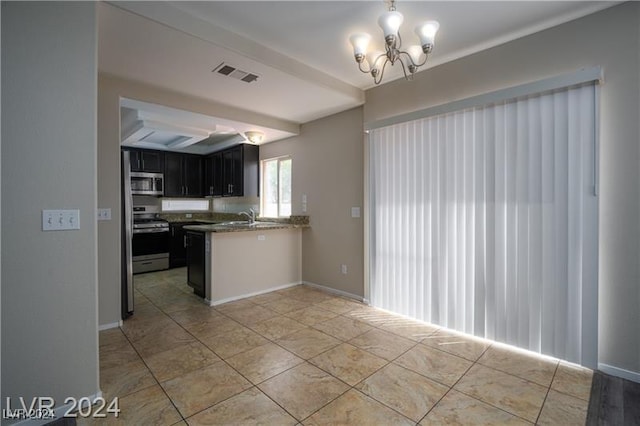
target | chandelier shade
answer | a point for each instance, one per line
(390, 23)
(360, 42)
(375, 61)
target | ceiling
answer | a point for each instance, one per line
(298, 49)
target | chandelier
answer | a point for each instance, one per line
(411, 59)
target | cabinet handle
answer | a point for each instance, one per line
(173, 231)
(211, 190)
(185, 241)
(231, 186)
(182, 190)
(186, 191)
(143, 164)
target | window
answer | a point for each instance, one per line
(276, 187)
(173, 205)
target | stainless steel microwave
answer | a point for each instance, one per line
(147, 183)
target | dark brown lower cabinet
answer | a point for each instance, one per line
(196, 261)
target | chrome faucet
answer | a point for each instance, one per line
(251, 216)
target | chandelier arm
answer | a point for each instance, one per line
(404, 69)
(377, 81)
(402, 52)
(361, 70)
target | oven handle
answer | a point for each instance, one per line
(150, 230)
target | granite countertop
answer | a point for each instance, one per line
(216, 218)
(243, 227)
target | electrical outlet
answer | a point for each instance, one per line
(104, 214)
(355, 211)
(188, 215)
(60, 220)
(343, 269)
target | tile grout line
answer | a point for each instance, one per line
(544, 401)
(374, 326)
(149, 369)
(451, 387)
(246, 378)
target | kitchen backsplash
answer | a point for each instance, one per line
(236, 204)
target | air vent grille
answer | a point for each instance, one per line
(233, 72)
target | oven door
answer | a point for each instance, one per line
(150, 248)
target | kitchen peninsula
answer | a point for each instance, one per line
(234, 260)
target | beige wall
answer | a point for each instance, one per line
(243, 265)
(328, 167)
(110, 90)
(609, 39)
(49, 292)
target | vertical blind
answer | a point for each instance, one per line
(485, 221)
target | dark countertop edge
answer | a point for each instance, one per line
(222, 228)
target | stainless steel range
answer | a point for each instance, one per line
(150, 244)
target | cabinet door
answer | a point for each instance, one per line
(208, 176)
(177, 246)
(196, 273)
(152, 161)
(237, 172)
(192, 176)
(218, 175)
(227, 176)
(250, 170)
(213, 175)
(173, 175)
(135, 160)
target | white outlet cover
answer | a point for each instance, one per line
(104, 214)
(355, 211)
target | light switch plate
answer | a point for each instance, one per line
(355, 211)
(60, 220)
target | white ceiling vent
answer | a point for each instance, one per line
(233, 72)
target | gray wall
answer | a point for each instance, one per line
(327, 165)
(49, 292)
(609, 39)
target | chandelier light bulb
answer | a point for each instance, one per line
(360, 42)
(415, 53)
(427, 33)
(390, 23)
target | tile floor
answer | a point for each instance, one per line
(302, 356)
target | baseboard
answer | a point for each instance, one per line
(335, 291)
(110, 325)
(619, 372)
(60, 411)
(257, 293)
